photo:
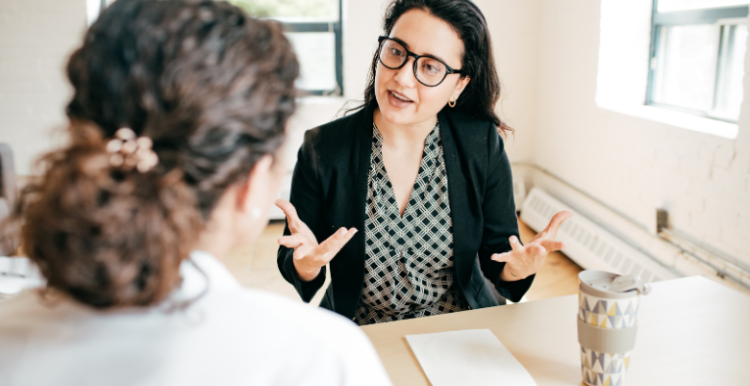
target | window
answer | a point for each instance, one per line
(314, 28)
(697, 56)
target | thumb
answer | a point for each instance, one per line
(289, 211)
(516, 245)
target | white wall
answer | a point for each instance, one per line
(514, 26)
(634, 165)
(362, 23)
(36, 38)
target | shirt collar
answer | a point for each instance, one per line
(203, 273)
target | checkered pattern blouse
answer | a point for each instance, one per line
(409, 260)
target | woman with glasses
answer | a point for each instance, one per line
(177, 126)
(412, 195)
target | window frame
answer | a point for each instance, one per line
(687, 17)
(293, 27)
(317, 27)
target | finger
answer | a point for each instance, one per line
(555, 223)
(538, 236)
(302, 251)
(516, 245)
(501, 257)
(289, 211)
(332, 245)
(292, 241)
(536, 250)
(552, 245)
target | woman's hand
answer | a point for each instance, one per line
(309, 256)
(524, 261)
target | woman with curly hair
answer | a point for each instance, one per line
(177, 125)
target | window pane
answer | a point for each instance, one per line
(316, 53)
(683, 5)
(292, 9)
(685, 72)
(731, 71)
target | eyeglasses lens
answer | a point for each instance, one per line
(429, 71)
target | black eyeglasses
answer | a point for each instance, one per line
(429, 70)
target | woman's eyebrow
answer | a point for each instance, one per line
(406, 45)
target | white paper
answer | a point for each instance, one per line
(467, 358)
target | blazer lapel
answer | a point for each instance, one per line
(460, 189)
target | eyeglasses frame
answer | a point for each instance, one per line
(416, 57)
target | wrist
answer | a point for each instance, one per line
(306, 274)
(508, 274)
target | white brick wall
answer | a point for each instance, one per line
(36, 38)
(633, 164)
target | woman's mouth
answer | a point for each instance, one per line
(398, 100)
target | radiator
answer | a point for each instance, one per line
(588, 244)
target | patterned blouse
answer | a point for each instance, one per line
(409, 259)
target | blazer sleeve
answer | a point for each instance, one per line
(500, 221)
(307, 197)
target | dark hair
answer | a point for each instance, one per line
(478, 63)
(212, 88)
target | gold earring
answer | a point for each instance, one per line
(452, 103)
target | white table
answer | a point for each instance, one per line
(691, 331)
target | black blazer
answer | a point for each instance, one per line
(329, 189)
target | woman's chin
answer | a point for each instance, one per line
(397, 116)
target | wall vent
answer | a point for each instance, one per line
(588, 244)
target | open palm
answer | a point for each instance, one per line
(524, 261)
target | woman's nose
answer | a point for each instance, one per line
(405, 74)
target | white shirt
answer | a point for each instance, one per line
(229, 336)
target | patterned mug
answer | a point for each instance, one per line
(608, 307)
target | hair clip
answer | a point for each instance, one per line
(128, 152)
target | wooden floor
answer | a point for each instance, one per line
(558, 276)
(255, 267)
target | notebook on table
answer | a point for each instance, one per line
(467, 358)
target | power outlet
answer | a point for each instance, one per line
(662, 220)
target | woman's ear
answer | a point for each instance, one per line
(253, 191)
(460, 87)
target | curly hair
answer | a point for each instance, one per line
(212, 88)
